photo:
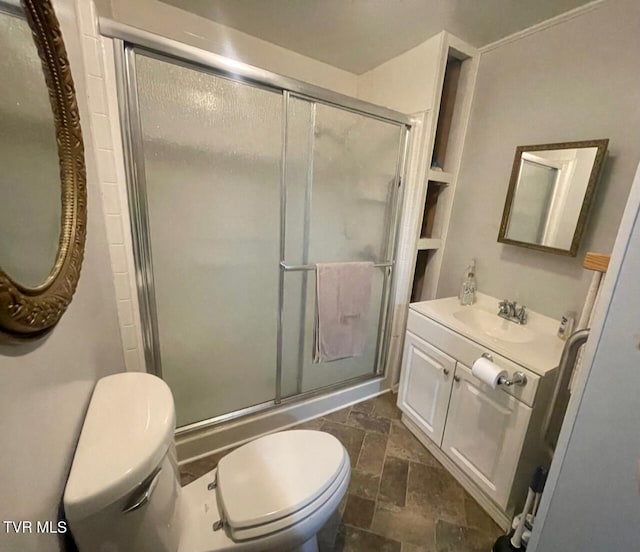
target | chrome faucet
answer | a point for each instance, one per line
(509, 310)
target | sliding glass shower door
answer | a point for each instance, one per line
(211, 153)
(341, 183)
(236, 191)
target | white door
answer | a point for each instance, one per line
(484, 433)
(425, 385)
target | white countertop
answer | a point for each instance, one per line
(540, 355)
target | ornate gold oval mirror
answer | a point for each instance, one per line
(42, 182)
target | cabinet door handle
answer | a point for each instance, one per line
(456, 379)
(445, 371)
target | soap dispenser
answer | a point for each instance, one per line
(468, 287)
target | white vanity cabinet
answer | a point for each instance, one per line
(485, 433)
(425, 395)
(489, 439)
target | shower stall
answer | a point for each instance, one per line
(239, 181)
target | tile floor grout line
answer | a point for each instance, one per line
(376, 504)
(384, 461)
(406, 487)
(355, 466)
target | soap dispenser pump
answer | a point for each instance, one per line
(468, 287)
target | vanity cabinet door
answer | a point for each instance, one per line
(484, 434)
(425, 385)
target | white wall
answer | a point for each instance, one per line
(168, 21)
(46, 385)
(582, 83)
(592, 497)
(406, 83)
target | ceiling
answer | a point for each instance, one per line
(357, 35)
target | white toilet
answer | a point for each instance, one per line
(123, 492)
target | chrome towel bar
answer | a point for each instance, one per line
(288, 268)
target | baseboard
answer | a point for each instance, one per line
(500, 517)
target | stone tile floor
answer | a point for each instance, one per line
(400, 498)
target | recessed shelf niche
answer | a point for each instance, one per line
(445, 115)
(422, 261)
(429, 228)
(458, 65)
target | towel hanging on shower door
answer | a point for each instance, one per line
(343, 294)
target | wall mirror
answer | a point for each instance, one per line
(42, 182)
(550, 194)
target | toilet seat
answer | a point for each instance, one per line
(263, 530)
(201, 507)
(278, 480)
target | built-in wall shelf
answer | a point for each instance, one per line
(423, 258)
(456, 78)
(431, 228)
(425, 244)
(440, 176)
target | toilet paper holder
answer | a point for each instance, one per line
(518, 378)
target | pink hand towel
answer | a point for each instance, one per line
(343, 294)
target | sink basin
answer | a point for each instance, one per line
(494, 326)
(534, 345)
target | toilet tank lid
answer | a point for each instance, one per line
(127, 431)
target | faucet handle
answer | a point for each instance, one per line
(522, 314)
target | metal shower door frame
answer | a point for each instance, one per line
(389, 248)
(128, 42)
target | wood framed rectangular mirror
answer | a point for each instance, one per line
(550, 194)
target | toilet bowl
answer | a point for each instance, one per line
(123, 492)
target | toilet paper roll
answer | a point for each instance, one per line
(487, 372)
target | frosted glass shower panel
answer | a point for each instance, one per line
(341, 177)
(351, 183)
(299, 373)
(212, 150)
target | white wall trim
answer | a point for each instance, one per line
(411, 215)
(104, 126)
(558, 19)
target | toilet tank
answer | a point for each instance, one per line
(123, 490)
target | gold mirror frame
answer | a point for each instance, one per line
(587, 201)
(29, 312)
